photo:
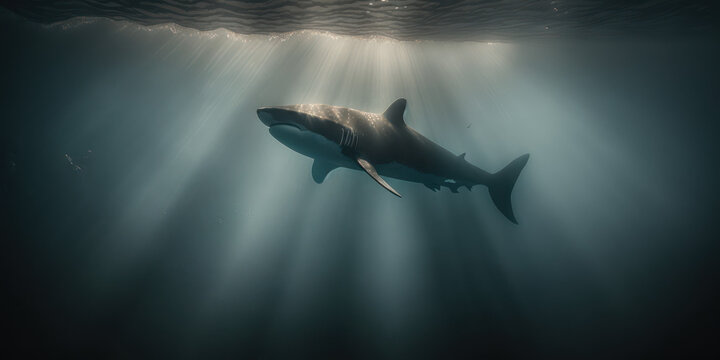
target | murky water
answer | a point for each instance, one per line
(146, 209)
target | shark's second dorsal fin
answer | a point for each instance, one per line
(365, 165)
(320, 169)
(394, 112)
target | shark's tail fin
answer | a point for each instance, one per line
(502, 183)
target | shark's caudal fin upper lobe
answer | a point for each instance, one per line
(502, 184)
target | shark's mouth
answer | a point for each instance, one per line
(306, 142)
(288, 133)
(287, 124)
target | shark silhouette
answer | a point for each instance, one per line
(382, 144)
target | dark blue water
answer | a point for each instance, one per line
(146, 211)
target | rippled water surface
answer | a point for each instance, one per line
(406, 20)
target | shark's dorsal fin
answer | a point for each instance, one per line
(365, 165)
(320, 169)
(394, 112)
(462, 156)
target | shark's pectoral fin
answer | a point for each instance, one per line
(365, 165)
(320, 169)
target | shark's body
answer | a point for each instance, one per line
(382, 145)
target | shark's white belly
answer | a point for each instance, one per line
(310, 144)
(402, 172)
(318, 147)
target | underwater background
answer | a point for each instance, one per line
(147, 212)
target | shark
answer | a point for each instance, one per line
(383, 145)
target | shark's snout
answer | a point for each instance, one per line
(274, 116)
(265, 115)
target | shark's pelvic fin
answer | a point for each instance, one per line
(320, 169)
(394, 112)
(365, 165)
